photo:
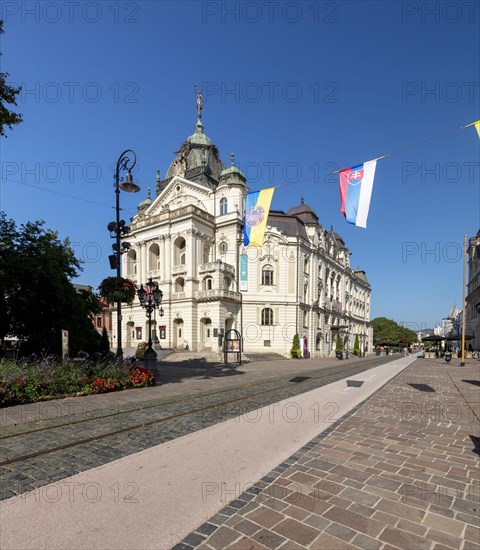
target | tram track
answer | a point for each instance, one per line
(307, 380)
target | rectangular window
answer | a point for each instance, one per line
(138, 332)
(267, 277)
(267, 343)
(163, 332)
(99, 322)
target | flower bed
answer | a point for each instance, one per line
(42, 378)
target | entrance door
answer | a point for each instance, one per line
(207, 333)
(178, 336)
(228, 324)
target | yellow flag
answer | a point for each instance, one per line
(477, 126)
(257, 208)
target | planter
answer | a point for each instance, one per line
(447, 357)
(295, 354)
(339, 354)
(114, 289)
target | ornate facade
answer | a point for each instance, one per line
(472, 320)
(190, 240)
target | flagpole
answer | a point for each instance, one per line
(464, 312)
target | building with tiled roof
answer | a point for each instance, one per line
(189, 239)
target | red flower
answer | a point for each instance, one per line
(20, 382)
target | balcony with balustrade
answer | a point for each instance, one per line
(217, 295)
(153, 273)
(179, 269)
(218, 265)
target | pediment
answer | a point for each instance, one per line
(181, 192)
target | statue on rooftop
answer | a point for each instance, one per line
(199, 102)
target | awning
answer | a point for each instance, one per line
(458, 337)
(434, 338)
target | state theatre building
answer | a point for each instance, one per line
(189, 239)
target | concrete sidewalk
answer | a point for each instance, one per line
(155, 498)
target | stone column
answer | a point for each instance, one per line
(143, 263)
(168, 257)
(162, 258)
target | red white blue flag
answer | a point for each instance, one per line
(356, 186)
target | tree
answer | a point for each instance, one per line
(387, 332)
(37, 296)
(356, 346)
(8, 96)
(104, 342)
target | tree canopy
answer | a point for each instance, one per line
(8, 96)
(387, 332)
(37, 297)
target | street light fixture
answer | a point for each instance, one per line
(150, 297)
(119, 229)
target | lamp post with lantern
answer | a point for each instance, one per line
(119, 229)
(150, 297)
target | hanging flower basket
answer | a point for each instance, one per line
(117, 288)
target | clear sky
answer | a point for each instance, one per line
(295, 89)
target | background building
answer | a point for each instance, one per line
(190, 240)
(472, 320)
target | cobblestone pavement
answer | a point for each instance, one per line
(176, 379)
(400, 471)
(119, 431)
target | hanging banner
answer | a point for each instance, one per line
(257, 208)
(243, 272)
(356, 186)
(477, 127)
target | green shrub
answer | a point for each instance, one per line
(338, 345)
(295, 350)
(356, 346)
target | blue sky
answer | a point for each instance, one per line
(295, 89)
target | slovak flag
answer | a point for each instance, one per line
(356, 186)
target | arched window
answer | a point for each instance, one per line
(179, 285)
(206, 253)
(131, 263)
(154, 257)
(223, 206)
(226, 283)
(305, 318)
(267, 275)
(207, 283)
(180, 246)
(267, 316)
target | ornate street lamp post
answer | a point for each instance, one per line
(119, 229)
(150, 298)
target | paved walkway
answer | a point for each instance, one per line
(401, 472)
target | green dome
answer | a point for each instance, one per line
(196, 156)
(232, 174)
(199, 138)
(145, 203)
